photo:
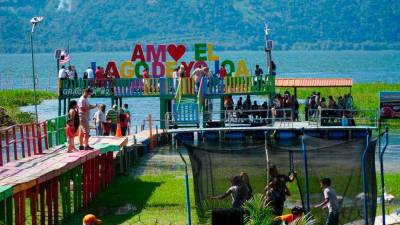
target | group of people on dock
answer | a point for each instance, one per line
(287, 107)
(331, 111)
(71, 73)
(275, 195)
(105, 123)
(281, 107)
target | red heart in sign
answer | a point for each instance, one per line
(176, 52)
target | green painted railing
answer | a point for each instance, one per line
(56, 131)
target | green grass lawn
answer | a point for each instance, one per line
(159, 199)
(11, 100)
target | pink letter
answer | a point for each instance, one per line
(150, 51)
(154, 69)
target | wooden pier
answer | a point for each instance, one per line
(45, 176)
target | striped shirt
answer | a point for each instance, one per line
(113, 115)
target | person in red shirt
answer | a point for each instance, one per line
(107, 127)
(98, 73)
(123, 121)
(70, 136)
(222, 72)
(145, 73)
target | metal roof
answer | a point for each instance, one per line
(313, 82)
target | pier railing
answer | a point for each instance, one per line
(343, 117)
(133, 87)
(286, 117)
(25, 140)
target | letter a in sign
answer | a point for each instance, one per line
(137, 53)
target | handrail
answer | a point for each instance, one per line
(201, 93)
(24, 140)
(364, 177)
(152, 86)
(268, 116)
(179, 91)
(383, 173)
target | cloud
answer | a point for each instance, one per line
(65, 5)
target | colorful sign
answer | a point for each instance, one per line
(160, 61)
(389, 105)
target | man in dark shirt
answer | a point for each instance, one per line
(258, 71)
(281, 187)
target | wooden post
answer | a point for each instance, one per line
(17, 208)
(55, 200)
(23, 207)
(9, 211)
(7, 146)
(151, 132)
(42, 205)
(14, 135)
(1, 149)
(34, 139)
(33, 203)
(49, 200)
(21, 133)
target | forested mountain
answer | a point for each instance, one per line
(115, 25)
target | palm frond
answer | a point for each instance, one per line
(307, 219)
(256, 212)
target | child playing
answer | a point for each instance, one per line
(295, 213)
(70, 136)
(238, 190)
(330, 202)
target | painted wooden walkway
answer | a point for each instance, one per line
(44, 178)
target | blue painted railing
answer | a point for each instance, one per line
(186, 113)
(381, 153)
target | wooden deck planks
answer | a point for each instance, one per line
(28, 172)
(25, 173)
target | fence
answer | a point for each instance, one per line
(23, 140)
(343, 117)
(268, 117)
(8, 82)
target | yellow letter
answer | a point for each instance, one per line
(130, 71)
(242, 68)
(169, 68)
(211, 57)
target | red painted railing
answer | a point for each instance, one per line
(22, 140)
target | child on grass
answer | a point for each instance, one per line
(238, 190)
(70, 135)
(330, 201)
(295, 213)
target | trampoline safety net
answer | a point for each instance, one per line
(214, 162)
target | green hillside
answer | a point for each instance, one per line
(103, 25)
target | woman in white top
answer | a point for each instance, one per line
(99, 119)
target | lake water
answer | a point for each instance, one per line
(362, 66)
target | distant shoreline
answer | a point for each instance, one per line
(216, 50)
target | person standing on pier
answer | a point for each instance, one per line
(222, 72)
(84, 108)
(126, 110)
(99, 119)
(113, 115)
(74, 116)
(89, 72)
